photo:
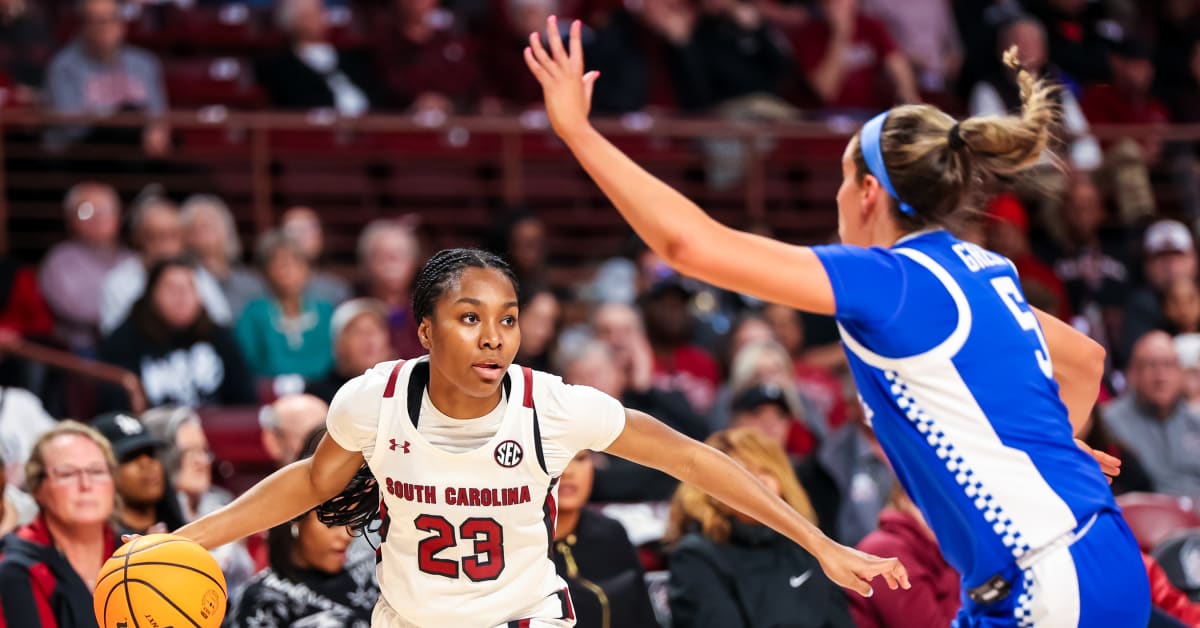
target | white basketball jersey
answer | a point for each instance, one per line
(466, 537)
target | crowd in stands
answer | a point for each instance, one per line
(160, 286)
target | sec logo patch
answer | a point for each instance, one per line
(509, 454)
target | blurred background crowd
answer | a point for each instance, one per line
(229, 316)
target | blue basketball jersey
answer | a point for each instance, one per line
(955, 378)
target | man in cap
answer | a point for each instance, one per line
(1168, 253)
(145, 505)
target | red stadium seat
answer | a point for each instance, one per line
(1155, 518)
(225, 81)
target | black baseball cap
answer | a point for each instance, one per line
(126, 434)
(758, 396)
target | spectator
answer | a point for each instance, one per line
(594, 555)
(998, 94)
(507, 82)
(1008, 235)
(50, 566)
(846, 55)
(766, 409)
(158, 234)
(287, 422)
(388, 253)
(181, 355)
(10, 516)
(817, 384)
(519, 236)
(145, 503)
(593, 363)
(1093, 275)
(429, 63)
(1188, 348)
(23, 420)
(99, 73)
(1168, 253)
(188, 462)
(934, 597)
(360, 341)
(728, 570)
(304, 226)
(1181, 307)
(679, 364)
(309, 581)
(212, 238)
(23, 315)
(1127, 98)
(73, 272)
(1169, 599)
(629, 51)
(539, 319)
(767, 364)
(310, 73)
(925, 31)
(25, 47)
(1075, 40)
(286, 333)
(1152, 420)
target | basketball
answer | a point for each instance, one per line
(160, 580)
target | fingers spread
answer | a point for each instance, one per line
(538, 71)
(539, 53)
(555, 37)
(576, 46)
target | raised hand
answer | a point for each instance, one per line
(565, 87)
(855, 570)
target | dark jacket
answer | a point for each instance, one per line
(292, 84)
(934, 597)
(758, 579)
(38, 586)
(604, 575)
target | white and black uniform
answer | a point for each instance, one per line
(469, 506)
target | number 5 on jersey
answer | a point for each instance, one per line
(1025, 318)
(485, 562)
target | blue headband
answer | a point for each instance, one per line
(868, 141)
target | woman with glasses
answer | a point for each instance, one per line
(50, 566)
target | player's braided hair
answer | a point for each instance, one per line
(358, 504)
(445, 268)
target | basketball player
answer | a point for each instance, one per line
(464, 450)
(954, 368)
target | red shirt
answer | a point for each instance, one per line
(443, 64)
(25, 311)
(1105, 104)
(864, 85)
(824, 389)
(691, 371)
(1033, 271)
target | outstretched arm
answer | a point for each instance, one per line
(674, 227)
(282, 496)
(648, 442)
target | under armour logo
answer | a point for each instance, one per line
(403, 445)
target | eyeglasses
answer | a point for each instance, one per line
(73, 475)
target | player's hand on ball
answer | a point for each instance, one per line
(566, 89)
(855, 570)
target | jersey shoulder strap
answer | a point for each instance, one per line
(537, 429)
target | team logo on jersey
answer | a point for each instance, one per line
(509, 454)
(403, 445)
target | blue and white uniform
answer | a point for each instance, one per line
(955, 378)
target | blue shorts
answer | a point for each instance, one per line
(1098, 581)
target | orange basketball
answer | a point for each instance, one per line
(160, 580)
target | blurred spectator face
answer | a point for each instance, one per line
(160, 233)
(195, 460)
(175, 298)
(287, 272)
(1155, 374)
(363, 343)
(1031, 44)
(1008, 240)
(769, 419)
(95, 217)
(538, 322)
(306, 20)
(140, 480)
(1133, 75)
(619, 327)
(320, 547)
(302, 225)
(597, 369)
(1181, 305)
(750, 331)
(668, 323)
(527, 245)
(1084, 212)
(103, 27)
(78, 487)
(206, 234)
(1164, 268)
(391, 260)
(297, 416)
(575, 486)
(785, 323)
